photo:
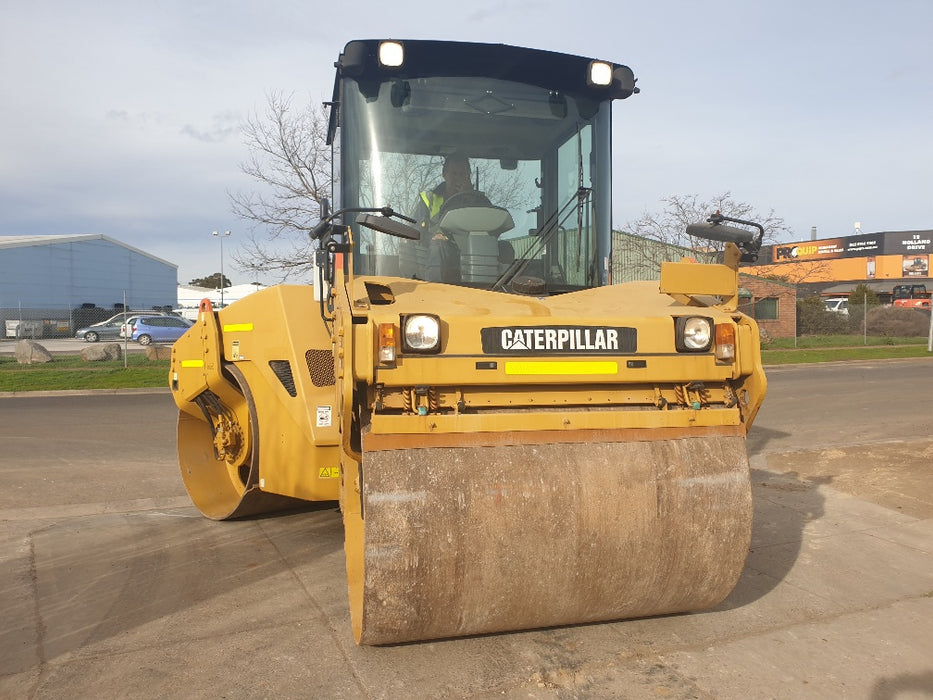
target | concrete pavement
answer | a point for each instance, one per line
(112, 584)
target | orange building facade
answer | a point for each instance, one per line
(880, 260)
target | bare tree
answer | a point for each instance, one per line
(669, 227)
(798, 272)
(291, 162)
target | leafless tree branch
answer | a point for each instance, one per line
(290, 163)
(669, 226)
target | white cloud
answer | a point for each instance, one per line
(123, 117)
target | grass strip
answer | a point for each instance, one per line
(71, 372)
(836, 354)
(842, 341)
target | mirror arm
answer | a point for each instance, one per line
(325, 225)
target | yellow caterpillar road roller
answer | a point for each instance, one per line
(515, 441)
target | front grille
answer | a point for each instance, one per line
(321, 367)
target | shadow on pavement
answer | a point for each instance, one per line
(784, 505)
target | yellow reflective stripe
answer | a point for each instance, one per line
(234, 327)
(563, 367)
(192, 363)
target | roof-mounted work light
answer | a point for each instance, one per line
(600, 73)
(391, 54)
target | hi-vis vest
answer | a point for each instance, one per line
(433, 202)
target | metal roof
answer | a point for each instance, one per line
(7, 242)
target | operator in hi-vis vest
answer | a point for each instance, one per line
(443, 255)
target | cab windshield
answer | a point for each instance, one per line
(529, 198)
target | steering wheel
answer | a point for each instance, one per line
(467, 198)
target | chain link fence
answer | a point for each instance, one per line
(863, 318)
(34, 323)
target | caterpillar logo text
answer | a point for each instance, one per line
(559, 340)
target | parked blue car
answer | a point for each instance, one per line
(159, 329)
(112, 328)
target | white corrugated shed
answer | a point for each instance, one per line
(190, 296)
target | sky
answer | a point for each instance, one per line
(125, 118)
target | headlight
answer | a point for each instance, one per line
(421, 333)
(693, 333)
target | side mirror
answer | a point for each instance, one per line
(713, 230)
(384, 224)
(718, 232)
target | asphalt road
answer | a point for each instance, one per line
(112, 585)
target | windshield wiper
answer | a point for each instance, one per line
(543, 237)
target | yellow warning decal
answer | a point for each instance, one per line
(235, 327)
(328, 473)
(192, 363)
(563, 367)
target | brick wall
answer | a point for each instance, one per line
(785, 326)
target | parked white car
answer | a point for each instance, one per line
(840, 305)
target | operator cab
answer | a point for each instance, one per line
(535, 128)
